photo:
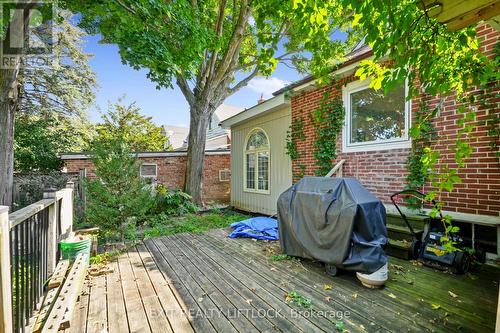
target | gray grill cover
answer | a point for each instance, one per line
(334, 220)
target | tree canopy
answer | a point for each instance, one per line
(53, 99)
(125, 123)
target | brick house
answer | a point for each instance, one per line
(375, 156)
(169, 168)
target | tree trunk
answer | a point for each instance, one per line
(8, 102)
(196, 153)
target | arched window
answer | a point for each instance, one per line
(257, 162)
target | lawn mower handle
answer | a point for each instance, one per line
(414, 193)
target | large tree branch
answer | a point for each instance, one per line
(244, 81)
(127, 8)
(234, 43)
(186, 90)
(218, 33)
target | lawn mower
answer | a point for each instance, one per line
(427, 245)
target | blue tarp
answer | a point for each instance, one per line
(257, 227)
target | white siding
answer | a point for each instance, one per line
(275, 124)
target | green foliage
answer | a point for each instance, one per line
(418, 47)
(295, 133)
(294, 297)
(53, 97)
(173, 202)
(281, 257)
(327, 121)
(118, 199)
(163, 225)
(32, 185)
(38, 141)
(104, 258)
(64, 84)
(422, 133)
(126, 124)
(184, 37)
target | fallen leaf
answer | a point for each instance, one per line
(452, 294)
(391, 295)
(328, 299)
(435, 306)
(249, 301)
(253, 290)
(354, 295)
(327, 287)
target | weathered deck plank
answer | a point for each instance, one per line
(97, 320)
(225, 307)
(416, 299)
(117, 315)
(209, 283)
(199, 323)
(175, 308)
(136, 314)
(156, 315)
(245, 305)
(204, 300)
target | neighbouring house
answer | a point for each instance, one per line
(176, 136)
(169, 168)
(217, 137)
(374, 143)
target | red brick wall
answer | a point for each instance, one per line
(171, 171)
(383, 172)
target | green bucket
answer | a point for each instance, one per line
(71, 248)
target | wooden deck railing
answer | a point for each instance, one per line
(29, 253)
(336, 170)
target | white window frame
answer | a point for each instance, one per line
(148, 176)
(256, 152)
(220, 175)
(396, 143)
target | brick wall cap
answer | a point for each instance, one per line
(84, 155)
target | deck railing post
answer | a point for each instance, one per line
(66, 210)
(5, 278)
(52, 231)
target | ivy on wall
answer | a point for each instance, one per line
(327, 121)
(294, 134)
(422, 135)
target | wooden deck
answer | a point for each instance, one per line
(210, 283)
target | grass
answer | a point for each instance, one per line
(281, 257)
(295, 297)
(196, 223)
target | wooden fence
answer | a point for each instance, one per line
(29, 253)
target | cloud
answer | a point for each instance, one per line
(266, 86)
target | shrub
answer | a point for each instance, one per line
(118, 199)
(173, 202)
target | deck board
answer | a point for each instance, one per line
(211, 283)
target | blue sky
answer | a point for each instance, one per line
(165, 106)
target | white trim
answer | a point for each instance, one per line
(148, 176)
(145, 154)
(256, 152)
(486, 220)
(396, 143)
(257, 110)
(341, 72)
(224, 180)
